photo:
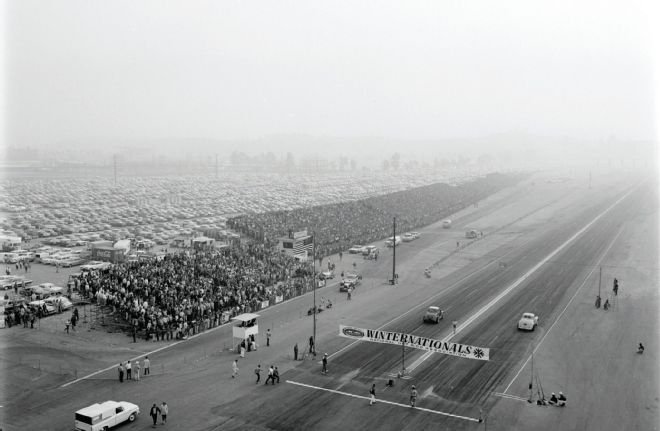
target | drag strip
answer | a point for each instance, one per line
(382, 401)
(564, 310)
(524, 277)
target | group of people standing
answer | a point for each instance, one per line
(127, 369)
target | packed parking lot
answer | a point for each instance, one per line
(70, 212)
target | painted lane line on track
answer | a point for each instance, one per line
(565, 308)
(511, 397)
(518, 282)
(381, 401)
(208, 331)
(432, 298)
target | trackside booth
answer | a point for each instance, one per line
(245, 325)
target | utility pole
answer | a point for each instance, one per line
(600, 277)
(403, 356)
(314, 287)
(394, 251)
(531, 381)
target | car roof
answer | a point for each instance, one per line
(433, 307)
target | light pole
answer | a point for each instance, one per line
(314, 288)
(394, 251)
(403, 356)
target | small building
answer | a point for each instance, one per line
(202, 243)
(246, 326)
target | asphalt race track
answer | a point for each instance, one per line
(452, 385)
(541, 252)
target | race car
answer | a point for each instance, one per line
(528, 322)
(433, 314)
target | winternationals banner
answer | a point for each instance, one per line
(423, 343)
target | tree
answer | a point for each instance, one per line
(396, 160)
(290, 161)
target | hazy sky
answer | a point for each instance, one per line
(96, 70)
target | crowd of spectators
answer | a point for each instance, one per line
(194, 290)
(338, 226)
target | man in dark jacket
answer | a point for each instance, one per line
(154, 412)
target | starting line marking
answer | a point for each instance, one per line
(509, 396)
(384, 401)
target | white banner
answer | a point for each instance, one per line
(423, 343)
(264, 304)
(2, 316)
(279, 298)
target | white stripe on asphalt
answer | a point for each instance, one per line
(565, 308)
(432, 298)
(518, 282)
(208, 331)
(511, 397)
(381, 401)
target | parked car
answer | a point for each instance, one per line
(407, 237)
(528, 322)
(356, 249)
(8, 281)
(327, 275)
(351, 280)
(12, 304)
(392, 241)
(433, 314)
(446, 224)
(40, 305)
(58, 303)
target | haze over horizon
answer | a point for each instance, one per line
(328, 78)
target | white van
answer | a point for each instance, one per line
(98, 417)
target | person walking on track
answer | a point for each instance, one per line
(234, 367)
(413, 396)
(373, 394)
(324, 370)
(153, 412)
(257, 371)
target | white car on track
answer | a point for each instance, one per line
(528, 322)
